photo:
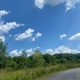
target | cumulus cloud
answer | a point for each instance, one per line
(16, 52)
(5, 28)
(27, 34)
(33, 39)
(68, 3)
(49, 51)
(19, 52)
(63, 49)
(36, 48)
(2, 38)
(3, 12)
(75, 37)
(40, 3)
(29, 50)
(16, 35)
(38, 34)
(62, 36)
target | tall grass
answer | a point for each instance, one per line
(33, 73)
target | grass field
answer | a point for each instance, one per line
(39, 73)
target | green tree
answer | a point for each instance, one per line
(49, 59)
(3, 49)
(3, 54)
(24, 54)
(38, 59)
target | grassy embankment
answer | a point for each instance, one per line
(39, 73)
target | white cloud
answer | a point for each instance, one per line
(29, 50)
(19, 53)
(3, 12)
(63, 49)
(2, 38)
(5, 28)
(36, 48)
(49, 51)
(27, 34)
(39, 3)
(16, 52)
(62, 36)
(16, 35)
(33, 39)
(75, 37)
(68, 3)
(38, 34)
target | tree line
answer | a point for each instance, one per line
(37, 59)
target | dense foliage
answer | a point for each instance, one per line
(37, 59)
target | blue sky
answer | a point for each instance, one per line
(52, 26)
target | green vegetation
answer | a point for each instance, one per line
(35, 66)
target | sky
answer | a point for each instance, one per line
(52, 26)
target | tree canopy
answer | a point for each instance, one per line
(37, 59)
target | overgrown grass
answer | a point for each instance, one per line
(34, 73)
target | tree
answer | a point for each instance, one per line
(49, 59)
(3, 54)
(24, 54)
(38, 59)
(3, 49)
